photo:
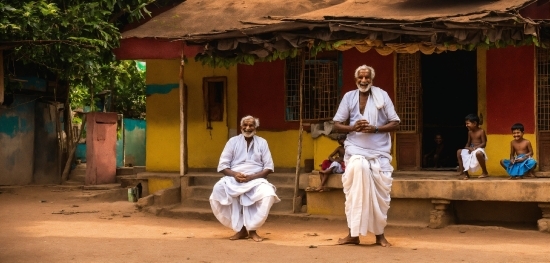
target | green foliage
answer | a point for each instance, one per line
(74, 41)
(314, 47)
(125, 82)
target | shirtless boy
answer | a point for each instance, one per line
(334, 164)
(473, 156)
(521, 162)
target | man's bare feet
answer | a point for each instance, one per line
(381, 240)
(349, 240)
(465, 177)
(483, 176)
(324, 189)
(252, 234)
(243, 234)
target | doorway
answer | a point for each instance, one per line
(449, 84)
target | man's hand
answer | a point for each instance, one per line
(241, 178)
(361, 126)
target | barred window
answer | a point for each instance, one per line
(320, 91)
(408, 91)
(543, 89)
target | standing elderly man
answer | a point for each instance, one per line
(367, 180)
(242, 198)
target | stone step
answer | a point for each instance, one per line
(209, 179)
(204, 203)
(128, 180)
(71, 182)
(196, 203)
(284, 191)
(125, 171)
(77, 177)
(79, 169)
(206, 214)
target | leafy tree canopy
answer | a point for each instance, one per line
(73, 39)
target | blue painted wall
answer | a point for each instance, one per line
(134, 142)
(81, 152)
(17, 125)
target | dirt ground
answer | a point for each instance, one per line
(55, 224)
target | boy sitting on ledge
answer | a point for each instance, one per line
(334, 164)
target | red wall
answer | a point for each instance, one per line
(510, 89)
(262, 86)
(262, 94)
(383, 66)
(149, 48)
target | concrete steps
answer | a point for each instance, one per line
(196, 194)
(77, 175)
(207, 215)
(115, 192)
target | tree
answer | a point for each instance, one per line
(72, 39)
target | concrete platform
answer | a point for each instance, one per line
(439, 198)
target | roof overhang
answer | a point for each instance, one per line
(235, 28)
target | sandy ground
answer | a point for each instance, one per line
(54, 224)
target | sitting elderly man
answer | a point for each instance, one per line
(242, 198)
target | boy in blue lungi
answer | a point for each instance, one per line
(521, 162)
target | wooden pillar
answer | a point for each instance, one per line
(183, 99)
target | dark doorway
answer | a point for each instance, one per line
(449, 84)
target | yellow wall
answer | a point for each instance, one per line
(205, 146)
(322, 147)
(284, 147)
(157, 184)
(162, 133)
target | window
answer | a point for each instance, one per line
(321, 88)
(543, 89)
(214, 98)
(408, 90)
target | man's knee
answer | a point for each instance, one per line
(218, 186)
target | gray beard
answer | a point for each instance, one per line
(249, 134)
(361, 89)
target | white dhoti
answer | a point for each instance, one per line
(242, 204)
(367, 185)
(337, 167)
(469, 160)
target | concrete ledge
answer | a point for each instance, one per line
(139, 169)
(146, 175)
(157, 181)
(488, 189)
(145, 201)
(124, 170)
(166, 197)
(445, 185)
